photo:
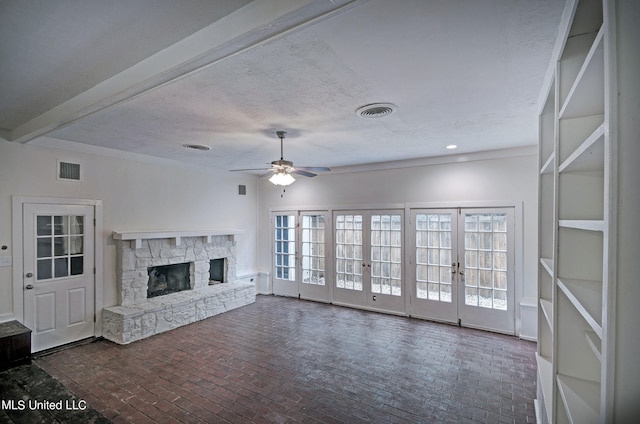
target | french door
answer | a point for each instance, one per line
(299, 248)
(368, 259)
(59, 283)
(463, 267)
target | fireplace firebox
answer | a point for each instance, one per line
(216, 271)
(165, 279)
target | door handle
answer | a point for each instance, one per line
(29, 286)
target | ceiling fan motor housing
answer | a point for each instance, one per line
(282, 163)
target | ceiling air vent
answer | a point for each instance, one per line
(68, 171)
(376, 110)
(200, 147)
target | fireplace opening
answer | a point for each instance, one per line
(166, 279)
(216, 271)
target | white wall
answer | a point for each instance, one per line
(138, 193)
(461, 179)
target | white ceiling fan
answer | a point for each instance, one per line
(282, 169)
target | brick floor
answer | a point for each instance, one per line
(286, 360)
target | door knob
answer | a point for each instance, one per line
(29, 275)
(29, 286)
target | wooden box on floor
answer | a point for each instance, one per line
(15, 344)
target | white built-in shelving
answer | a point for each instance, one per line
(575, 216)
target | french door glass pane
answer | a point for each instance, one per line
(386, 254)
(485, 259)
(59, 246)
(313, 250)
(433, 256)
(349, 252)
(285, 247)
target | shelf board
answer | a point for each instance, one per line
(588, 156)
(594, 343)
(582, 224)
(545, 374)
(547, 168)
(548, 265)
(137, 236)
(547, 308)
(586, 297)
(586, 96)
(581, 399)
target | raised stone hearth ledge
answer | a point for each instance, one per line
(126, 324)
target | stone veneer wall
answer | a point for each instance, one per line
(132, 263)
(138, 317)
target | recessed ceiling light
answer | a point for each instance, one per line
(376, 110)
(452, 146)
(201, 147)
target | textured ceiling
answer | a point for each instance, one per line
(149, 76)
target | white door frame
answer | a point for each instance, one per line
(518, 255)
(17, 204)
(295, 288)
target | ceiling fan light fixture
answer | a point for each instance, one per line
(282, 178)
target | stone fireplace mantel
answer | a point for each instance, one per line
(138, 316)
(136, 237)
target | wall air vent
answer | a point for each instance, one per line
(68, 171)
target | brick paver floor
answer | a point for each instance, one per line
(287, 360)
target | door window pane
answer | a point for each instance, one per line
(433, 263)
(43, 226)
(349, 252)
(59, 246)
(485, 258)
(313, 250)
(386, 242)
(285, 247)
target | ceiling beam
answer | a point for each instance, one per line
(245, 28)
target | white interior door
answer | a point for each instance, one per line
(435, 264)
(285, 281)
(463, 267)
(59, 283)
(486, 274)
(312, 282)
(349, 259)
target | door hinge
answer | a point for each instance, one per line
(94, 270)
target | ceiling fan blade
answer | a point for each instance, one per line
(314, 168)
(251, 169)
(303, 172)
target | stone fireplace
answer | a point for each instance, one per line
(167, 279)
